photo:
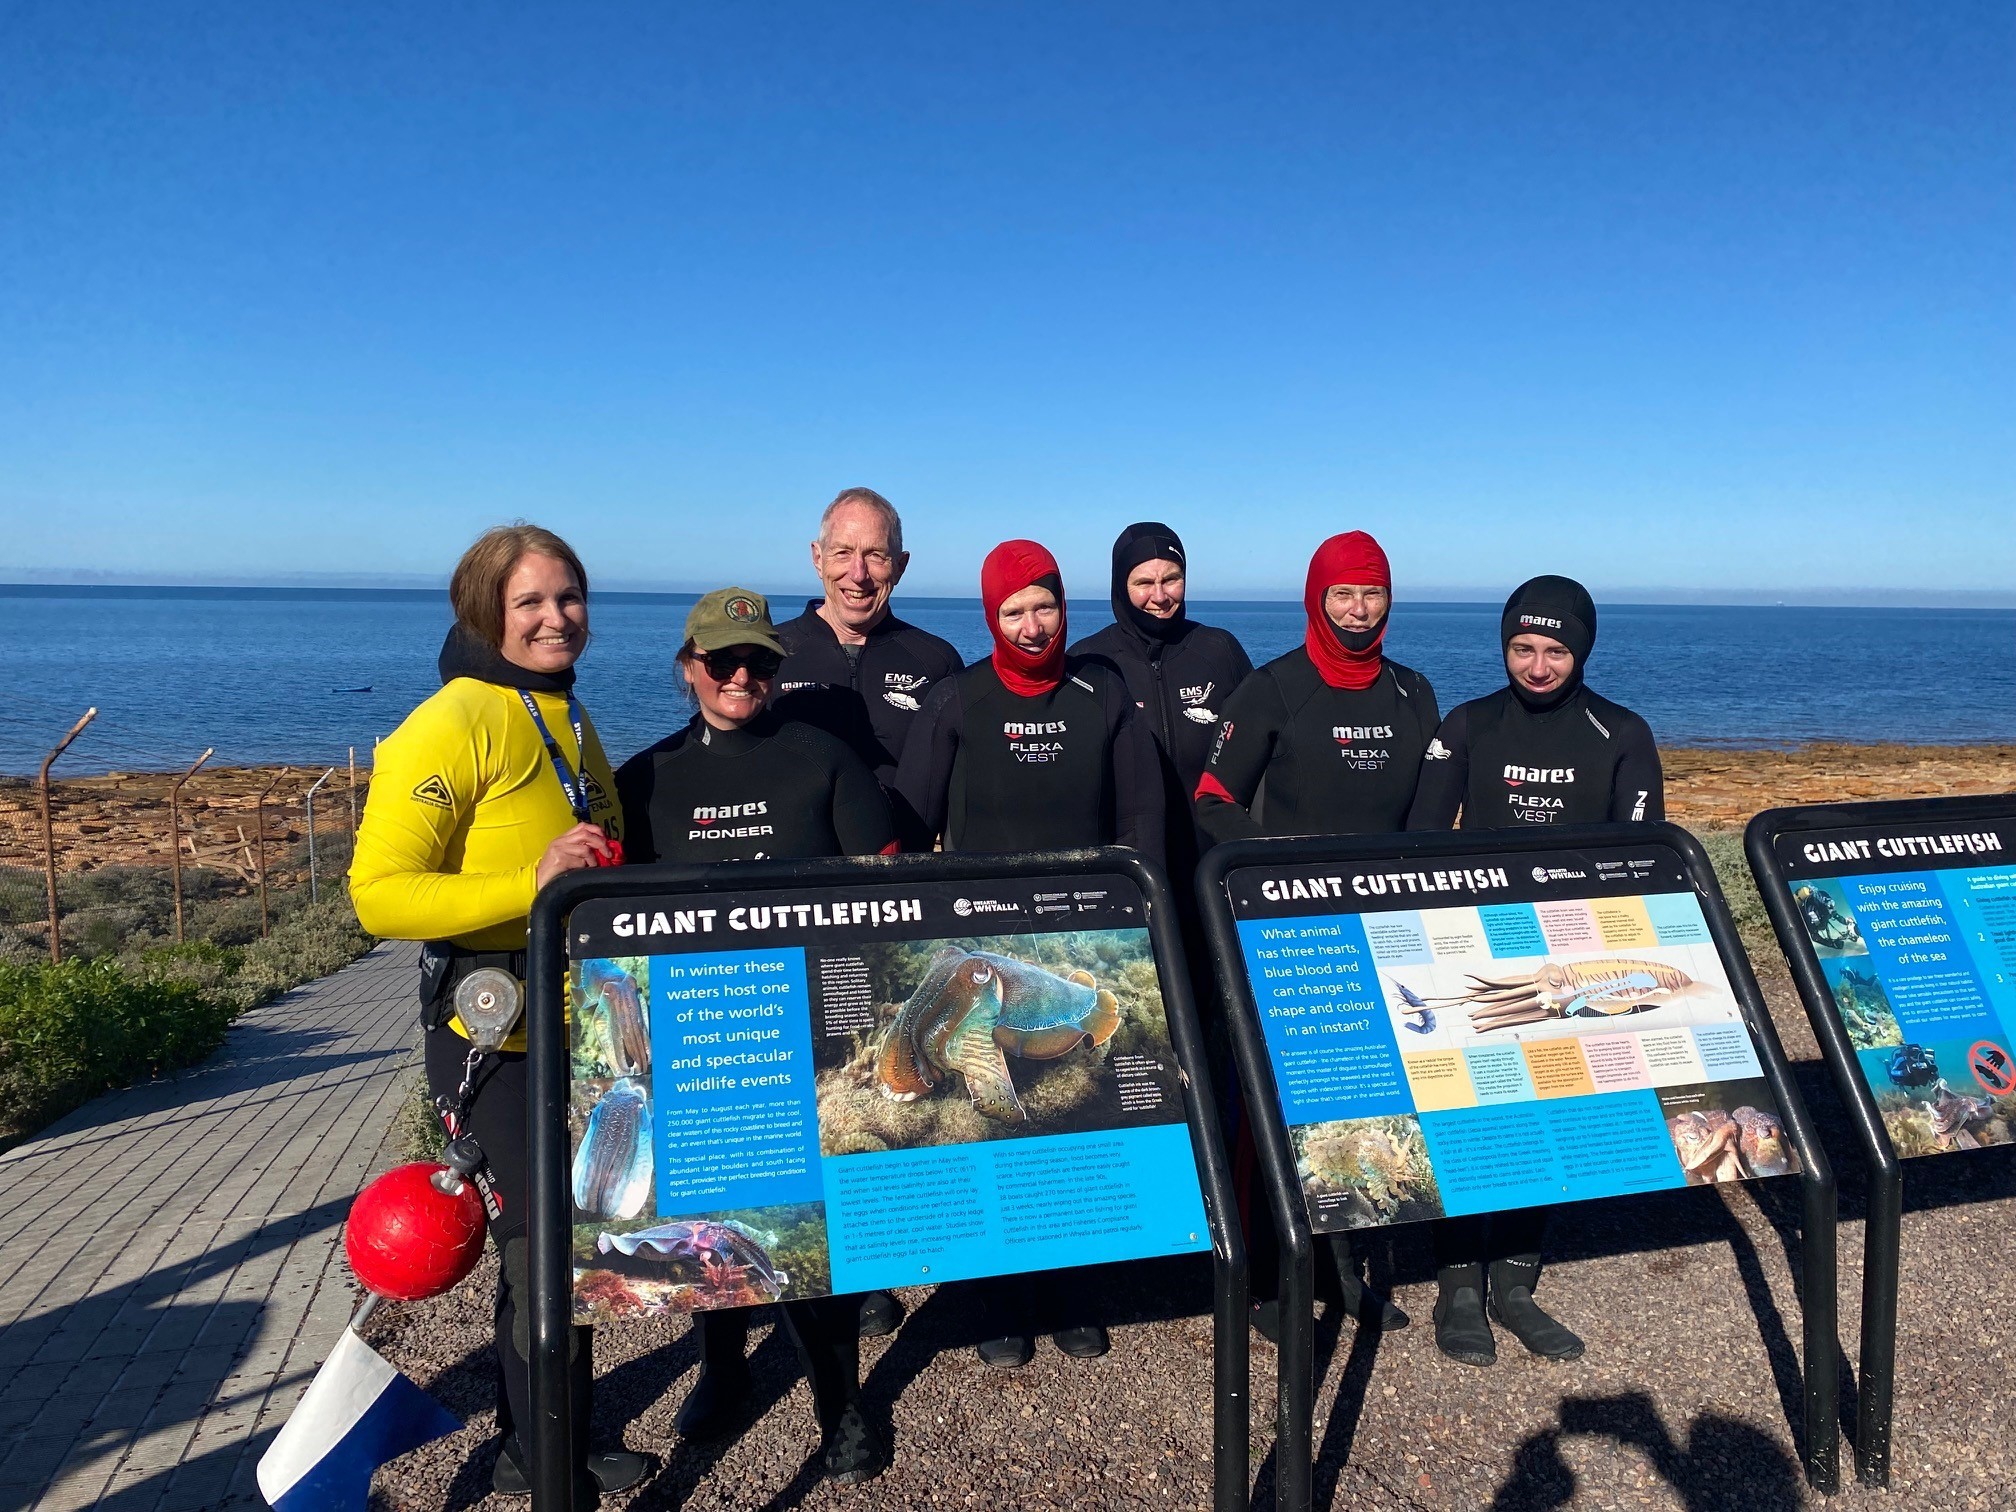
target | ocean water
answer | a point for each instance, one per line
(272, 675)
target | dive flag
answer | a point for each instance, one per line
(356, 1414)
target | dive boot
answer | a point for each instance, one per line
(1512, 1304)
(1369, 1307)
(1462, 1332)
(611, 1470)
(881, 1314)
(853, 1451)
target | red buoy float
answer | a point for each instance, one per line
(411, 1236)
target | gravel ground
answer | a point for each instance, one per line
(1688, 1398)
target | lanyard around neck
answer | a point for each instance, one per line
(575, 788)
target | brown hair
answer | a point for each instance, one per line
(477, 588)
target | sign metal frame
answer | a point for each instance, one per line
(1295, 1401)
(548, 1436)
(1883, 1223)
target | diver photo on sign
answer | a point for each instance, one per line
(1913, 926)
(1480, 1036)
(784, 1095)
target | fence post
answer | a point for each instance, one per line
(49, 835)
(314, 888)
(175, 835)
(259, 809)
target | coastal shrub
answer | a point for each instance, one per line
(72, 1031)
(416, 1128)
(1725, 851)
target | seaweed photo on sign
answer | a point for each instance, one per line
(740, 1257)
(1365, 1172)
(999, 1036)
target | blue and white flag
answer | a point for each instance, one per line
(357, 1414)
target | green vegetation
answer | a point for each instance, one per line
(127, 1003)
(416, 1128)
(1739, 888)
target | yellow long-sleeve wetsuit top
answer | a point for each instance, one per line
(463, 803)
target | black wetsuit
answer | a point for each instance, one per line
(1180, 687)
(772, 788)
(1299, 757)
(993, 770)
(1584, 761)
(866, 696)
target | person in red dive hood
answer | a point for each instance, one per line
(1326, 740)
(1033, 750)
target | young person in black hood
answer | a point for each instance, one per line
(1542, 750)
(741, 783)
(1178, 672)
(1325, 740)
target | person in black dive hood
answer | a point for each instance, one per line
(1033, 750)
(741, 783)
(1178, 672)
(1545, 749)
(1325, 740)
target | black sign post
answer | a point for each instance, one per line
(796, 911)
(1882, 949)
(1370, 1029)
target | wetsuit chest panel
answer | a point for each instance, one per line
(763, 801)
(867, 701)
(1347, 760)
(1033, 773)
(1558, 767)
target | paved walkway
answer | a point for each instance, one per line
(170, 1272)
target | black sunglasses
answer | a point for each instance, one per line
(721, 665)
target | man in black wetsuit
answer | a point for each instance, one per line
(1033, 750)
(851, 667)
(1179, 673)
(741, 783)
(1542, 750)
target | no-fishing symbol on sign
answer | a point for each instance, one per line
(1992, 1067)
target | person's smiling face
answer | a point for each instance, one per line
(1357, 606)
(726, 686)
(1029, 619)
(857, 568)
(1538, 663)
(545, 615)
(1156, 588)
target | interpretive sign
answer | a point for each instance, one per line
(781, 1093)
(1472, 1032)
(1912, 923)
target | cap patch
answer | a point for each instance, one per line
(741, 610)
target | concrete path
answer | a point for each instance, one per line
(170, 1272)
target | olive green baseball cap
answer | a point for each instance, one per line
(732, 617)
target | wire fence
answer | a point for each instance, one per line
(117, 855)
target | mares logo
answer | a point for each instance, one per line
(1025, 739)
(1437, 751)
(1344, 734)
(1516, 775)
(713, 813)
(1539, 622)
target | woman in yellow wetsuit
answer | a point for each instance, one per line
(489, 790)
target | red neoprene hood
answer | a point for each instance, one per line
(1009, 568)
(1353, 558)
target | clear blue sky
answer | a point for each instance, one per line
(1702, 296)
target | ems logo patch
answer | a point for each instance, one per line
(435, 792)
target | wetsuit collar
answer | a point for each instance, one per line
(463, 655)
(734, 742)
